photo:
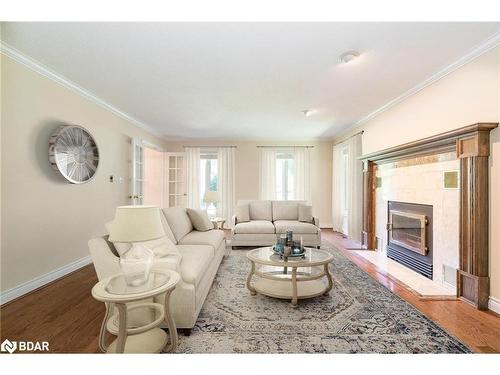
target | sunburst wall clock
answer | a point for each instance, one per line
(73, 153)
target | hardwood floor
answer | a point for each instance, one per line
(65, 314)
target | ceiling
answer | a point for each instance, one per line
(246, 80)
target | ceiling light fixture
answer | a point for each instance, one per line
(348, 56)
(307, 112)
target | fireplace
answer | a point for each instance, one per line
(409, 236)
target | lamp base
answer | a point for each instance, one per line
(211, 211)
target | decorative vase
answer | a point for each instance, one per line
(287, 252)
(136, 265)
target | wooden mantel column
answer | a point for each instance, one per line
(368, 236)
(473, 281)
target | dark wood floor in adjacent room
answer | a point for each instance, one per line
(65, 314)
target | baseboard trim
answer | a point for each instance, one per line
(494, 305)
(42, 280)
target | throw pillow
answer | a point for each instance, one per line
(243, 213)
(305, 214)
(200, 220)
(160, 247)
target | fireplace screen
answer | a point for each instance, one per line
(408, 230)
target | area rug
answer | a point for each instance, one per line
(359, 315)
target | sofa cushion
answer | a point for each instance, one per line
(261, 210)
(199, 219)
(195, 262)
(211, 238)
(243, 213)
(283, 210)
(296, 226)
(178, 220)
(169, 262)
(254, 227)
(166, 228)
(305, 213)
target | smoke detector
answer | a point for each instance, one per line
(348, 56)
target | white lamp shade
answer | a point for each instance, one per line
(210, 197)
(136, 224)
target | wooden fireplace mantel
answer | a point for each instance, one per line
(470, 144)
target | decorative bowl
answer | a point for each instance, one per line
(296, 252)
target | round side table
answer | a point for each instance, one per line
(218, 222)
(133, 320)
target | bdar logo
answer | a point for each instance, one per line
(8, 346)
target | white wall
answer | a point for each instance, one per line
(46, 222)
(247, 170)
(469, 95)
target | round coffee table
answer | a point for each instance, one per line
(297, 278)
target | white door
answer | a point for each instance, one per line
(137, 180)
(148, 174)
(176, 176)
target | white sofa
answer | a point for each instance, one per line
(271, 218)
(201, 254)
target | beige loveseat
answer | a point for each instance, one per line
(200, 256)
(271, 218)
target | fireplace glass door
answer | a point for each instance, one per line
(408, 230)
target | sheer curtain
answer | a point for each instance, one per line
(302, 175)
(347, 187)
(267, 173)
(355, 188)
(193, 176)
(338, 196)
(225, 182)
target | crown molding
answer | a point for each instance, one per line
(36, 66)
(490, 43)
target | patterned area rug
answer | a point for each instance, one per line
(359, 315)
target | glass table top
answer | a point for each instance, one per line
(266, 255)
(117, 284)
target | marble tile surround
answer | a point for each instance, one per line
(423, 184)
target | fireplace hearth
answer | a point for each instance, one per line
(409, 234)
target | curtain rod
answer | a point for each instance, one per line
(345, 139)
(215, 146)
(291, 146)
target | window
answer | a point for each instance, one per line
(284, 176)
(208, 176)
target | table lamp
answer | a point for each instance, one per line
(136, 224)
(211, 197)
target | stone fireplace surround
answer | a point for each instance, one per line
(420, 180)
(469, 146)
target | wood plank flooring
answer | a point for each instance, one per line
(65, 314)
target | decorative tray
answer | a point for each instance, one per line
(296, 252)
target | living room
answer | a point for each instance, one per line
(239, 188)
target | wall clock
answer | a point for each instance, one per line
(73, 153)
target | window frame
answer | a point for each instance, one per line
(206, 155)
